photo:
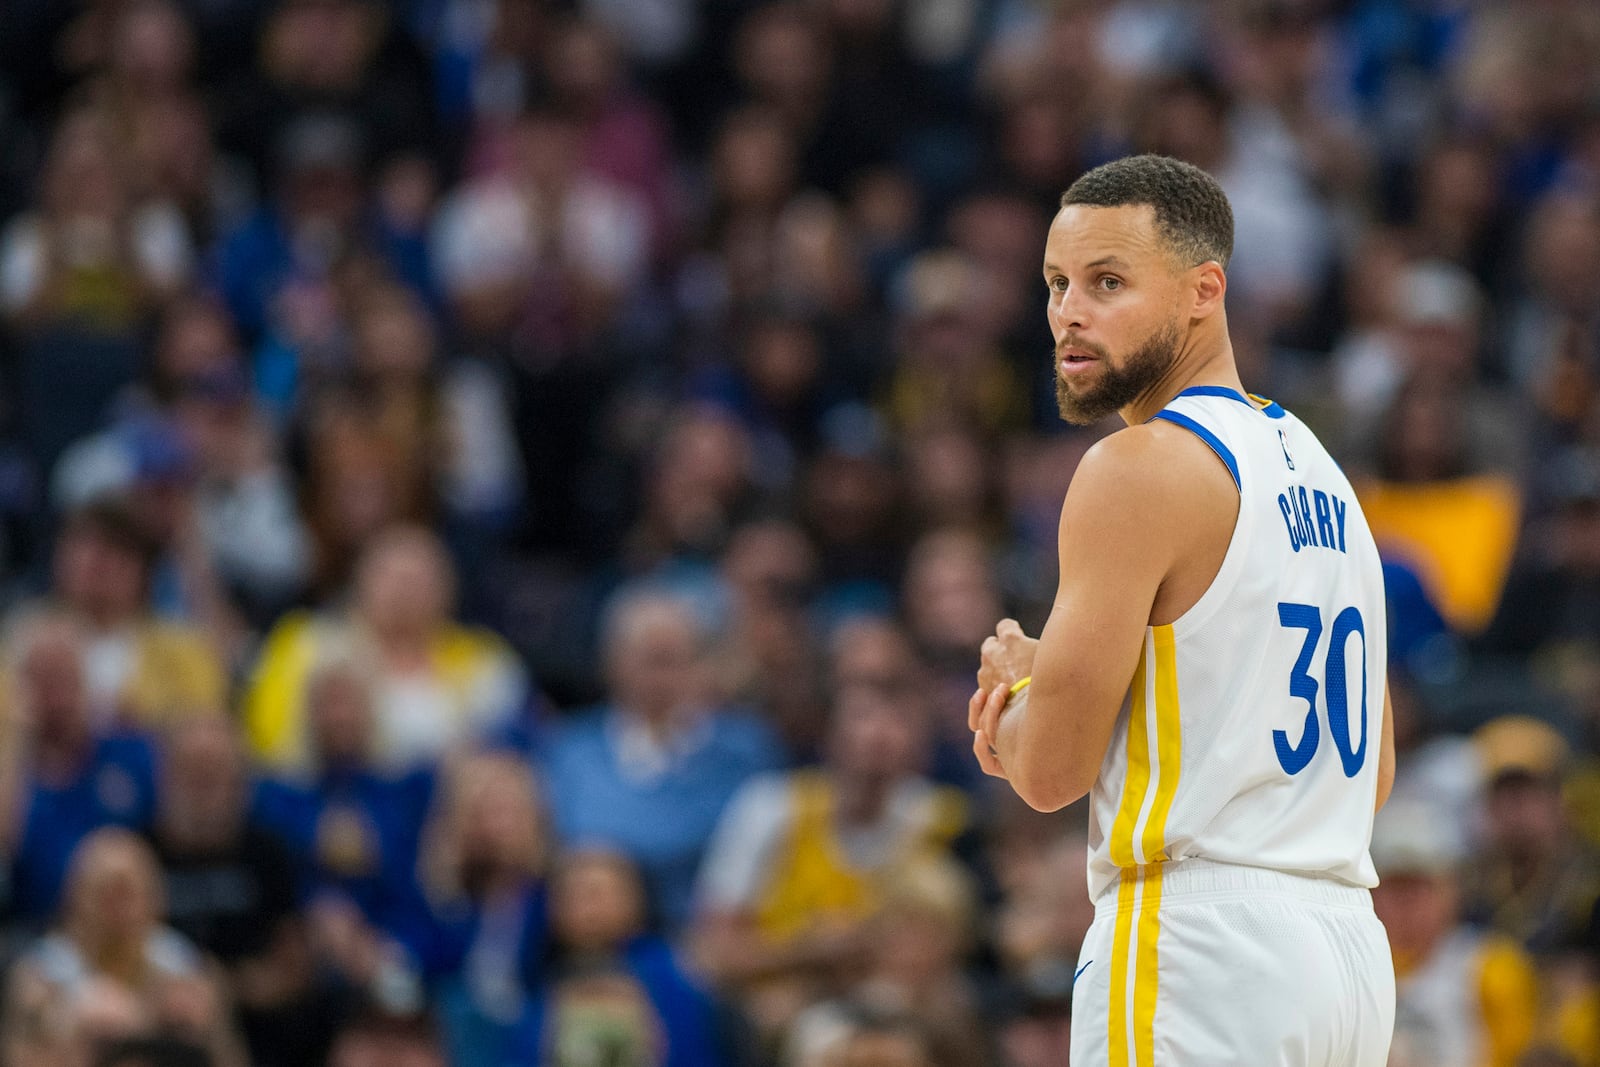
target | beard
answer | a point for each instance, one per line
(1119, 386)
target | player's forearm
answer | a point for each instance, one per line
(1037, 759)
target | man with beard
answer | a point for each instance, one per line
(1217, 572)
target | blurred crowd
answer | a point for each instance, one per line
(500, 499)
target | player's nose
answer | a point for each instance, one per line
(1067, 313)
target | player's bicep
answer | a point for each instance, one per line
(1115, 550)
(1113, 559)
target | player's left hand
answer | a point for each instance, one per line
(983, 718)
(1007, 657)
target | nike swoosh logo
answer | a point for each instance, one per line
(1085, 967)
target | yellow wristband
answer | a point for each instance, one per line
(1020, 685)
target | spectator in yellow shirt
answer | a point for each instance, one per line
(440, 686)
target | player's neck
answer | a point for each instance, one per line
(1201, 361)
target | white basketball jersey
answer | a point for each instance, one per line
(1254, 721)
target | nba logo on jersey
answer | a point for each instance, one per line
(1283, 442)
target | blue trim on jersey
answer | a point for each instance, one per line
(1180, 419)
(1271, 411)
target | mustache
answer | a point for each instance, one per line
(1072, 341)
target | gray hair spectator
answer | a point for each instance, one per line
(650, 771)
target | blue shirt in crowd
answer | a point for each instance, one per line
(356, 833)
(658, 804)
(116, 786)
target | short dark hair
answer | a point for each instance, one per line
(112, 519)
(1192, 211)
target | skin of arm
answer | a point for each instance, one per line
(1139, 498)
(1146, 513)
(1386, 755)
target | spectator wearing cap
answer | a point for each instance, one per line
(1464, 998)
(196, 453)
(650, 771)
(63, 771)
(1429, 320)
(1535, 879)
(1442, 450)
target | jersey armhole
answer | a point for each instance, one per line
(1177, 418)
(1233, 559)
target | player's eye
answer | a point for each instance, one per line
(1058, 284)
(1109, 283)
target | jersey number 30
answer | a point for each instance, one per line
(1302, 685)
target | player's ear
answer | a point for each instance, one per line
(1210, 287)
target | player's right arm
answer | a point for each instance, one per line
(1147, 507)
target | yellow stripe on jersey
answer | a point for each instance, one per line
(1132, 1013)
(1169, 746)
(1146, 968)
(1117, 997)
(1138, 779)
(1131, 1026)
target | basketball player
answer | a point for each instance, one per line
(1212, 673)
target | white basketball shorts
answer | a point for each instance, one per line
(1198, 964)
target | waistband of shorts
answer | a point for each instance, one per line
(1197, 879)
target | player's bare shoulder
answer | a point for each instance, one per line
(1157, 467)
(1157, 490)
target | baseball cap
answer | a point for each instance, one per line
(1415, 837)
(1519, 745)
(1434, 292)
